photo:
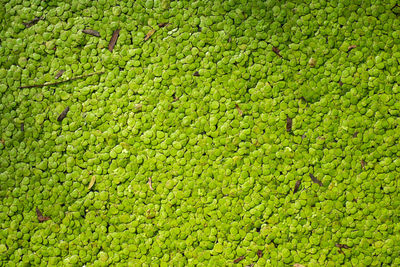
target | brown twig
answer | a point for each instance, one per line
(113, 40)
(296, 186)
(91, 32)
(63, 114)
(315, 180)
(149, 34)
(239, 259)
(276, 51)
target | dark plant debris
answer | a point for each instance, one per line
(289, 123)
(149, 34)
(91, 32)
(259, 253)
(341, 247)
(113, 40)
(239, 110)
(239, 259)
(351, 47)
(63, 114)
(58, 75)
(315, 180)
(163, 24)
(277, 51)
(40, 216)
(296, 186)
(32, 22)
(363, 163)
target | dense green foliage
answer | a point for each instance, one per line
(222, 161)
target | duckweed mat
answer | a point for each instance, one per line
(199, 133)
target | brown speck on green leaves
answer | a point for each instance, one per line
(363, 163)
(259, 253)
(150, 214)
(312, 62)
(351, 47)
(32, 22)
(40, 216)
(239, 110)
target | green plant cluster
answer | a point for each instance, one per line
(179, 154)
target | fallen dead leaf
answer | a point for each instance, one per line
(351, 47)
(40, 216)
(164, 24)
(92, 181)
(149, 34)
(296, 186)
(150, 184)
(91, 32)
(113, 40)
(63, 114)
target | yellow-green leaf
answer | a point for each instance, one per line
(92, 182)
